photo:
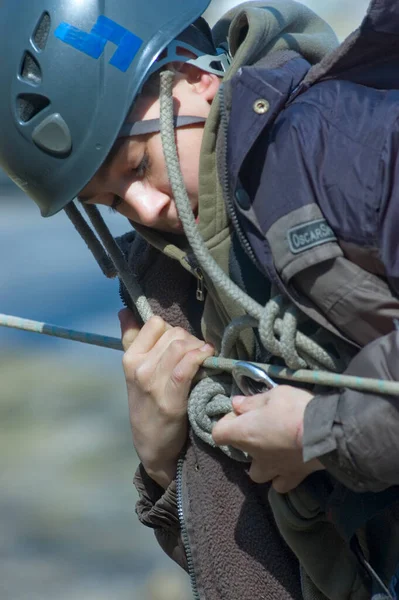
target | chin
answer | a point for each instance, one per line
(177, 228)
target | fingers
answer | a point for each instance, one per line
(237, 432)
(262, 471)
(284, 484)
(145, 337)
(129, 327)
(243, 404)
(159, 356)
(230, 431)
(187, 366)
(149, 335)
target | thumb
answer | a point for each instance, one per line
(225, 432)
(243, 404)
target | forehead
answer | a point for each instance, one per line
(124, 149)
(145, 107)
(122, 152)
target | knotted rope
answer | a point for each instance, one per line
(297, 350)
(277, 322)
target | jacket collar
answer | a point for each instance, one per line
(258, 95)
(253, 30)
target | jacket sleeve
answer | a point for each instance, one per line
(356, 434)
(157, 508)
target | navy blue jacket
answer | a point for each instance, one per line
(313, 171)
(313, 182)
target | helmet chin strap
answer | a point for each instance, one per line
(154, 125)
(217, 64)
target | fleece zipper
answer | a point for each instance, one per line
(183, 529)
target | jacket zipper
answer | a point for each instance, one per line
(196, 271)
(200, 294)
(183, 528)
(226, 188)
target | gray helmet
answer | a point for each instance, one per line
(70, 73)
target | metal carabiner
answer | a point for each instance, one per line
(251, 379)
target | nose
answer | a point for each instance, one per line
(146, 201)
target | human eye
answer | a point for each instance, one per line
(142, 170)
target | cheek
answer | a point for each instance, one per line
(158, 175)
(189, 143)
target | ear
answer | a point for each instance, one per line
(207, 85)
(203, 83)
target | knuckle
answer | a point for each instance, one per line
(156, 322)
(143, 378)
(281, 486)
(178, 375)
(177, 346)
(256, 475)
(194, 353)
(128, 362)
(167, 412)
(127, 339)
(179, 332)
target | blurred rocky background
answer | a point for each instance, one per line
(67, 525)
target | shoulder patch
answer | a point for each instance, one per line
(310, 234)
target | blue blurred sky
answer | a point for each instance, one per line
(47, 274)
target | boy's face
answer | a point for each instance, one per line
(134, 179)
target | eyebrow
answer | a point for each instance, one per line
(112, 154)
(110, 158)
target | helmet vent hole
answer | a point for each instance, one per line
(30, 70)
(42, 31)
(217, 66)
(183, 52)
(30, 105)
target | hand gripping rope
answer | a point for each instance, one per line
(363, 384)
(277, 322)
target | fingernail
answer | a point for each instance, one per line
(207, 348)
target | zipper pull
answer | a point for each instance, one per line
(200, 295)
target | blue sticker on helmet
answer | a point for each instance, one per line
(93, 43)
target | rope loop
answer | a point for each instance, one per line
(233, 330)
(208, 402)
(279, 334)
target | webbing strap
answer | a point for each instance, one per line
(154, 125)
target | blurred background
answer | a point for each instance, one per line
(67, 525)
